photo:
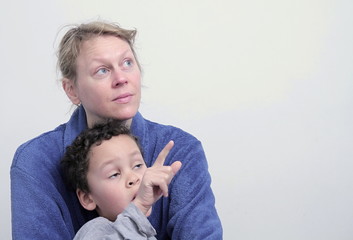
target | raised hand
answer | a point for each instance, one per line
(155, 181)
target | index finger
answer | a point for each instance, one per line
(163, 154)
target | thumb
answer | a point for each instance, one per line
(149, 212)
(176, 166)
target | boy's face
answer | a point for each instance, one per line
(114, 175)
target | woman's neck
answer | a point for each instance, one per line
(90, 124)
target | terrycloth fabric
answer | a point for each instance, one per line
(130, 224)
(43, 208)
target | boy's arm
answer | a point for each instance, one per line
(130, 224)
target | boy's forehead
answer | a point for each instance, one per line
(122, 144)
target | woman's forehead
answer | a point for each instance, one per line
(103, 42)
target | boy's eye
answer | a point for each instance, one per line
(138, 165)
(115, 175)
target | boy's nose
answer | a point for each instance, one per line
(133, 180)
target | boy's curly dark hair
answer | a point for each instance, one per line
(75, 162)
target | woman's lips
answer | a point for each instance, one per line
(123, 98)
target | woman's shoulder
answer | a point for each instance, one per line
(185, 143)
(48, 144)
(171, 131)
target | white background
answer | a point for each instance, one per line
(267, 86)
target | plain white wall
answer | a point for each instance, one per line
(265, 85)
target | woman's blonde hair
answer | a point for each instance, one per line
(70, 44)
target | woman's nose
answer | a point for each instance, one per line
(119, 78)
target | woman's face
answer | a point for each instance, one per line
(108, 79)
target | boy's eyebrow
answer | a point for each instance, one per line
(111, 161)
(137, 152)
(103, 165)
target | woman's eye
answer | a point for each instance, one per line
(102, 71)
(128, 63)
(115, 175)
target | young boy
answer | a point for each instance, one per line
(104, 165)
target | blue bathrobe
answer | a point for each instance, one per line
(44, 208)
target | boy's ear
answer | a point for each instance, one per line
(70, 90)
(85, 199)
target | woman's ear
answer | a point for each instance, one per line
(85, 199)
(70, 90)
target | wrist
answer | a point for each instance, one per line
(145, 209)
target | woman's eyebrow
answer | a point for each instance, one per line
(104, 57)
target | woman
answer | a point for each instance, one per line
(101, 75)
